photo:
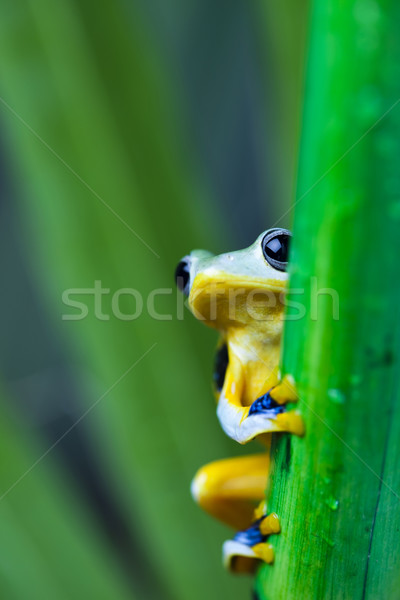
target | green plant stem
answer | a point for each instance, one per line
(336, 490)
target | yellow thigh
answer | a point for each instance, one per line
(230, 489)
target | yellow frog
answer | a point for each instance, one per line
(242, 295)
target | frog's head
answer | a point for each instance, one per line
(237, 288)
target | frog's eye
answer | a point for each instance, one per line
(275, 247)
(220, 366)
(182, 276)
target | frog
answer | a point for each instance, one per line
(242, 295)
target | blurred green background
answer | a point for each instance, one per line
(131, 132)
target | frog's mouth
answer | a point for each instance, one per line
(222, 299)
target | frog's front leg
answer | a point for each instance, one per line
(267, 414)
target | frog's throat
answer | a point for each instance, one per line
(226, 299)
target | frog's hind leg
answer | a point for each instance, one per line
(231, 490)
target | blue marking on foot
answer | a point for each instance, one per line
(252, 535)
(266, 404)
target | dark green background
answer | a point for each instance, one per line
(180, 119)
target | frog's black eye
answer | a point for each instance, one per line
(275, 247)
(220, 366)
(182, 276)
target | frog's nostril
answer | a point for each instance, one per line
(182, 275)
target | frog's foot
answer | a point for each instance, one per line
(250, 547)
(267, 414)
(268, 409)
(271, 406)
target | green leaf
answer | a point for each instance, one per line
(336, 490)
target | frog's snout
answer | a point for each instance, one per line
(182, 275)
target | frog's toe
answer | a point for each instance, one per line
(270, 524)
(285, 391)
(264, 552)
(292, 422)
